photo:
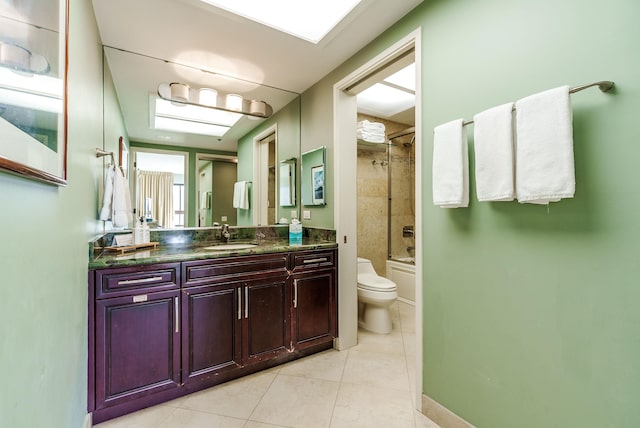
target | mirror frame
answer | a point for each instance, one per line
(47, 166)
(313, 182)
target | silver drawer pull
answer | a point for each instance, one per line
(239, 304)
(320, 260)
(140, 281)
(295, 293)
(177, 315)
(246, 302)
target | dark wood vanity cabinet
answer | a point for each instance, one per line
(136, 316)
(314, 315)
(160, 331)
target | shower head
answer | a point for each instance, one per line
(410, 143)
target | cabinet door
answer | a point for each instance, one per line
(137, 346)
(212, 334)
(266, 319)
(314, 308)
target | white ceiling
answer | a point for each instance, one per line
(161, 41)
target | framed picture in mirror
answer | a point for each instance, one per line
(33, 89)
(317, 181)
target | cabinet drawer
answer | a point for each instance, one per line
(313, 260)
(206, 272)
(132, 280)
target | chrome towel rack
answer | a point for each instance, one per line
(604, 86)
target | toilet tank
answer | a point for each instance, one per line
(365, 266)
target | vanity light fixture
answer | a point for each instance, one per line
(181, 94)
(234, 102)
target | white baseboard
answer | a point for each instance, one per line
(87, 421)
(441, 415)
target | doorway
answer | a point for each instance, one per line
(265, 177)
(215, 180)
(345, 161)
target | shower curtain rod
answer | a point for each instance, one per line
(604, 86)
(402, 133)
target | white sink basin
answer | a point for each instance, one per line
(228, 247)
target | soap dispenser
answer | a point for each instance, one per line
(295, 232)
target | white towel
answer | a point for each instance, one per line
(450, 165)
(493, 148)
(122, 215)
(116, 202)
(544, 147)
(241, 195)
(107, 199)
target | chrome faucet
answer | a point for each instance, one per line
(224, 233)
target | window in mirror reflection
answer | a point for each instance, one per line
(160, 187)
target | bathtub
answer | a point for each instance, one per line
(403, 273)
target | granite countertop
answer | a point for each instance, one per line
(191, 245)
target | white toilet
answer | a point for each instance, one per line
(375, 295)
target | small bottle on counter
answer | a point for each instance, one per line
(138, 237)
(295, 232)
(146, 232)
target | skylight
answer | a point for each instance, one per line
(306, 20)
(190, 118)
(393, 95)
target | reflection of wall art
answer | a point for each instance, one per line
(33, 87)
(317, 182)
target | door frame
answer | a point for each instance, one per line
(345, 213)
(261, 188)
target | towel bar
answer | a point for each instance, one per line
(604, 86)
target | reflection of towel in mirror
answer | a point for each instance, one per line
(117, 200)
(241, 195)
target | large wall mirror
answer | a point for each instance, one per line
(33, 86)
(313, 183)
(220, 153)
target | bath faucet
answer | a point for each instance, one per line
(224, 233)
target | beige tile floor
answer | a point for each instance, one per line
(370, 385)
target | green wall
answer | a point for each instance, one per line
(530, 314)
(43, 258)
(288, 146)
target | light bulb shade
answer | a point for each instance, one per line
(258, 108)
(179, 92)
(20, 59)
(234, 102)
(208, 97)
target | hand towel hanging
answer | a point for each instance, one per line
(544, 147)
(450, 165)
(493, 148)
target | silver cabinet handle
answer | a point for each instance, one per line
(239, 304)
(295, 293)
(246, 302)
(177, 303)
(140, 281)
(320, 260)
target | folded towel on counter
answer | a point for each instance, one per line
(450, 165)
(545, 169)
(241, 195)
(493, 148)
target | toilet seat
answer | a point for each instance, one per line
(375, 283)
